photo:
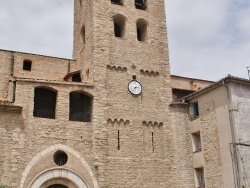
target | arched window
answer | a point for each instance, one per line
(44, 103)
(140, 4)
(141, 26)
(119, 25)
(80, 107)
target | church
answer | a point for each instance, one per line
(113, 116)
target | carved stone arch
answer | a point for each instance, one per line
(83, 92)
(85, 166)
(47, 87)
(64, 174)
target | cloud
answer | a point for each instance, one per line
(208, 39)
(42, 27)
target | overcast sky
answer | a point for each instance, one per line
(208, 39)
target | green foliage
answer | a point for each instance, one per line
(4, 186)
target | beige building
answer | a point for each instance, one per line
(112, 116)
(220, 133)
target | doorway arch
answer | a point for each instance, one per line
(60, 177)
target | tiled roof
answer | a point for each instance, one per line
(216, 84)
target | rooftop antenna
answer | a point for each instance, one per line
(248, 71)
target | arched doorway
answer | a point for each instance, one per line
(58, 178)
(57, 186)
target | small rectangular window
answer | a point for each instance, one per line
(118, 2)
(76, 77)
(200, 178)
(194, 110)
(27, 65)
(196, 140)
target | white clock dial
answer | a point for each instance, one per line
(135, 87)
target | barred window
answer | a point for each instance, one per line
(44, 103)
(60, 158)
(80, 107)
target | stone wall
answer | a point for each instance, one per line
(152, 137)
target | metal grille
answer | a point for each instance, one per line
(57, 186)
(44, 103)
(80, 107)
(60, 158)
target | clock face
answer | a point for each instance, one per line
(134, 87)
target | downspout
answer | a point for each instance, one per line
(235, 158)
(12, 63)
(69, 66)
(13, 92)
(14, 82)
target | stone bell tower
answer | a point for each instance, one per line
(117, 42)
(101, 119)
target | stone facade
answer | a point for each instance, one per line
(124, 140)
(130, 140)
(222, 125)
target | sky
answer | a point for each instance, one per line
(208, 39)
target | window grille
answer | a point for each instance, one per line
(60, 158)
(57, 186)
(80, 107)
(44, 103)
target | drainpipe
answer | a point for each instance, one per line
(12, 63)
(13, 92)
(69, 66)
(235, 157)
